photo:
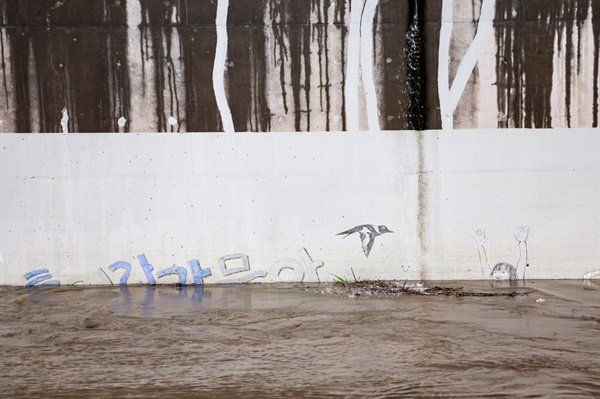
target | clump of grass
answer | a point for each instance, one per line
(343, 281)
(339, 280)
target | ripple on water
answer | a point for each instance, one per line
(289, 341)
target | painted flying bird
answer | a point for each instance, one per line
(367, 232)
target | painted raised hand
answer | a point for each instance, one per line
(480, 237)
(522, 233)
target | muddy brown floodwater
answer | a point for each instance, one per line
(255, 341)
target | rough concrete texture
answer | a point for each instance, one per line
(445, 183)
(269, 207)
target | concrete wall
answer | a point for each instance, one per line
(78, 204)
(427, 101)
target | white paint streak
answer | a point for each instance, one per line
(219, 66)
(366, 33)
(64, 122)
(450, 95)
(444, 64)
(484, 30)
(352, 71)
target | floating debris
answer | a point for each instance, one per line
(394, 288)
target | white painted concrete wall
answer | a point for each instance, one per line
(75, 204)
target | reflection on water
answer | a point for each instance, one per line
(297, 341)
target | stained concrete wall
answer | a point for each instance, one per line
(428, 99)
(304, 65)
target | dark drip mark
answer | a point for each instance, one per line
(568, 59)
(59, 53)
(198, 48)
(596, 35)
(394, 24)
(3, 67)
(247, 73)
(157, 28)
(280, 52)
(525, 54)
(296, 16)
(143, 52)
(259, 59)
(16, 42)
(374, 46)
(4, 19)
(579, 10)
(169, 63)
(537, 61)
(293, 32)
(327, 82)
(117, 66)
(173, 94)
(19, 57)
(582, 12)
(318, 28)
(307, 69)
(320, 31)
(340, 23)
(506, 76)
(295, 45)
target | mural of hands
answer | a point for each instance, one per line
(480, 237)
(522, 233)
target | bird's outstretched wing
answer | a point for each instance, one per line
(351, 231)
(367, 242)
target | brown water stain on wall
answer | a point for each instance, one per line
(596, 35)
(294, 30)
(292, 33)
(159, 21)
(75, 55)
(247, 66)
(526, 33)
(394, 24)
(199, 45)
(431, 38)
(81, 70)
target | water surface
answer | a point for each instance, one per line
(293, 340)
